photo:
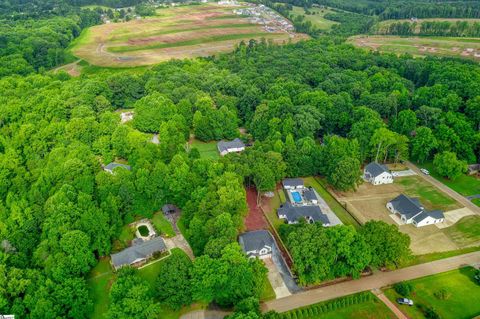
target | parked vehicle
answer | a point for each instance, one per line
(425, 171)
(405, 301)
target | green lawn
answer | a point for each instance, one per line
(476, 201)
(421, 259)
(207, 150)
(463, 302)
(466, 231)
(430, 196)
(337, 208)
(317, 18)
(162, 224)
(274, 203)
(465, 184)
(99, 281)
(268, 293)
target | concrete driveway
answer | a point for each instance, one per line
(276, 280)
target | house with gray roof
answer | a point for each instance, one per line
(411, 211)
(112, 166)
(377, 174)
(139, 253)
(293, 213)
(235, 146)
(293, 183)
(258, 243)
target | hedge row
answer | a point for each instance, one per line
(328, 306)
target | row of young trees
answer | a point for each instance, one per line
(432, 28)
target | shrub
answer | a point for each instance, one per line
(430, 313)
(403, 288)
(442, 294)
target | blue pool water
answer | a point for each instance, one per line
(296, 197)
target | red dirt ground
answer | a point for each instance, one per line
(255, 219)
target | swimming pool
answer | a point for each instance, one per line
(297, 198)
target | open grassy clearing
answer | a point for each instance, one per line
(421, 46)
(462, 302)
(465, 232)
(317, 18)
(162, 225)
(177, 32)
(206, 149)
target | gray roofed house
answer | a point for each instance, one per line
(225, 147)
(169, 209)
(377, 174)
(293, 213)
(139, 253)
(111, 166)
(310, 195)
(258, 243)
(292, 183)
(411, 211)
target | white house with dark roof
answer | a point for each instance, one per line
(410, 211)
(258, 243)
(293, 183)
(377, 174)
(112, 166)
(235, 146)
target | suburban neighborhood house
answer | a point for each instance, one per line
(377, 174)
(235, 146)
(139, 253)
(302, 202)
(112, 166)
(258, 243)
(410, 211)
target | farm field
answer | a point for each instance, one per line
(369, 203)
(462, 295)
(178, 32)
(317, 19)
(421, 46)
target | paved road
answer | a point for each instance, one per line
(461, 199)
(376, 280)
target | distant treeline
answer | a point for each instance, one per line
(433, 28)
(350, 23)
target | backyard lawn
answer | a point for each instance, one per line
(207, 150)
(272, 206)
(465, 232)
(462, 292)
(99, 281)
(430, 196)
(465, 184)
(162, 224)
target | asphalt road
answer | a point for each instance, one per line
(374, 281)
(458, 197)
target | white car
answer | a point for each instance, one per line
(425, 171)
(405, 301)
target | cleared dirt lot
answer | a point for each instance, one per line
(178, 32)
(369, 203)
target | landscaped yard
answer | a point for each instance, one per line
(462, 302)
(271, 207)
(207, 150)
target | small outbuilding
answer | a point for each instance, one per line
(377, 174)
(257, 244)
(293, 183)
(235, 146)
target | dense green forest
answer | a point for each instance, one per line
(432, 28)
(318, 107)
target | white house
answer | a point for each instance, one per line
(410, 211)
(258, 243)
(293, 183)
(377, 174)
(235, 146)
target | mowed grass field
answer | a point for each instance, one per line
(317, 18)
(176, 32)
(382, 25)
(462, 301)
(421, 46)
